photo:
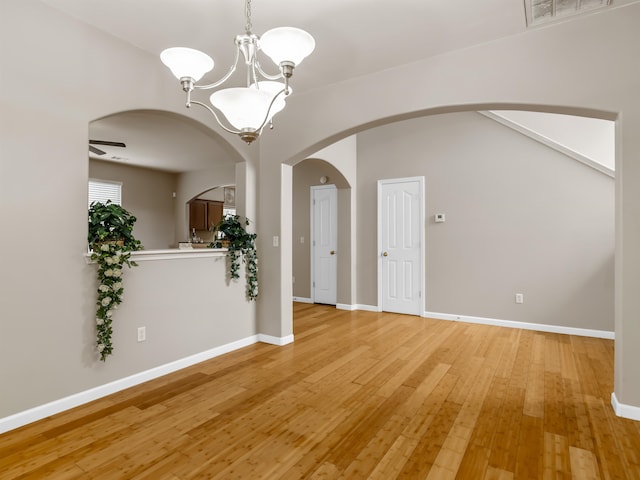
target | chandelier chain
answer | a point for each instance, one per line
(247, 13)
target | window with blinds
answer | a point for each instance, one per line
(103, 190)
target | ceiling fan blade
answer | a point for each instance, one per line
(106, 143)
(95, 150)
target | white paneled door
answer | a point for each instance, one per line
(324, 207)
(401, 245)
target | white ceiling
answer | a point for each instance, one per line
(353, 37)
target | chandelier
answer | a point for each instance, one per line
(246, 110)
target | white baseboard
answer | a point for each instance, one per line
(302, 300)
(38, 413)
(280, 341)
(540, 327)
(357, 306)
(625, 411)
(345, 306)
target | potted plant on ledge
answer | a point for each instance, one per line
(241, 244)
(111, 241)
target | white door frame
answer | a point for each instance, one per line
(421, 216)
(313, 189)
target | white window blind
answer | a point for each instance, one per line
(102, 190)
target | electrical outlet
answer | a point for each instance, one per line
(276, 241)
(519, 298)
(142, 334)
(294, 280)
(301, 239)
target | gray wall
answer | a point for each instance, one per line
(521, 218)
(147, 194)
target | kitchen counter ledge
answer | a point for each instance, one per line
(172, 254)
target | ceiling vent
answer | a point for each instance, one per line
(543, 11)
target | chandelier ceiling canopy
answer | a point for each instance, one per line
(246, 110)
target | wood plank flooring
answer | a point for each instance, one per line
(358, 395)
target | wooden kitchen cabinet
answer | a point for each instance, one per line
(204, 214)
(214, 213)
(197, 215)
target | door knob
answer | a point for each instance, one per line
(385, 254)
(332, 252)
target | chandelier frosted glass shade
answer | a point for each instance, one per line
(244, 107)
(275, 90)
(287, 44)
(187, 62)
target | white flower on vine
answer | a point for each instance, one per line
(108, 272)
(100, 347)
(108, 260)
(106, 301)
(104, 247)
(117, 286)
(99, 321)
(109, 313)
(116, 272)
(103, 288)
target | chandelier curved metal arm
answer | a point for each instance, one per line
(223, 79)
(248, 109)
(266, 75)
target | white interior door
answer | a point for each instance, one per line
(324, 235)
(401, 245)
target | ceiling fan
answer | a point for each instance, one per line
(97, 151)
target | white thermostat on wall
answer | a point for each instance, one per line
(439, 217)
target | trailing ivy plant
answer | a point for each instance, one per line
(111, 241)
(241, 245)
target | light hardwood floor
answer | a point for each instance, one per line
(358, 395)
